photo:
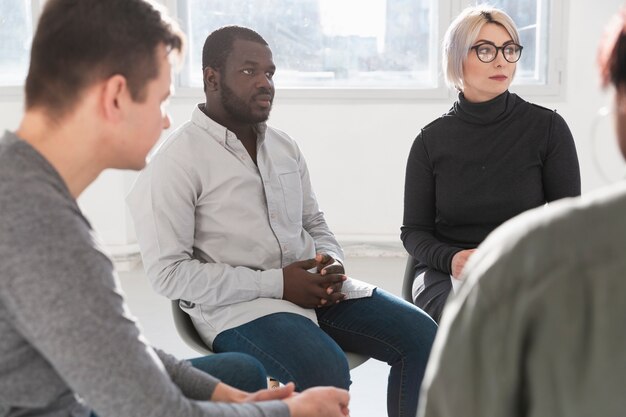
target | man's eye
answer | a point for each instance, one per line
(269, 75)
(248, 71)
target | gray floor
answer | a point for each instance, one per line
(369, 381)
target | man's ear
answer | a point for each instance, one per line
(211, 79)
(115, 94)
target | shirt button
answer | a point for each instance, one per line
(273, 216)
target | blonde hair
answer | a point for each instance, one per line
(462, 33)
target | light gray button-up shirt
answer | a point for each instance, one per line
(216, 230)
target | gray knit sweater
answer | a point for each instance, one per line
(68, 344)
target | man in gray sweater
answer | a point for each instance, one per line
(99, 74)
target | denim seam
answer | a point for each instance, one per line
(264, 354)
(402, 375)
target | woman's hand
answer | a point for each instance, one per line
(459, 260)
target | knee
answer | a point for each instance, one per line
(239, 370)
(325, 370)
(251, 372)
(414, 333)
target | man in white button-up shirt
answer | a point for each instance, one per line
(227, 221)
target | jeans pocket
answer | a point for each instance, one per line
(292, 193)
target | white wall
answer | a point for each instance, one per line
(357, 149)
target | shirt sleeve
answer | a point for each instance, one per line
(64, 299)
(313, 220)
(561, 172)
(418, 229)
(193, 383)
(163, 205)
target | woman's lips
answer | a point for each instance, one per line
(499, 77)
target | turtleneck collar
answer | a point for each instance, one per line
(487, 112)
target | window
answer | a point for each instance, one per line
(379, 45)
(16, 30)
(532, 20)
(376, 48)
(327, 43)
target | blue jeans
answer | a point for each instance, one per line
(383, 327)
(235, 369)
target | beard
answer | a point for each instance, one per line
(238, 109)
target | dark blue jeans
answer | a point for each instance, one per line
(384, 327)
(235, 369)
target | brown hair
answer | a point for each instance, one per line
(612, 52)
(79, 42)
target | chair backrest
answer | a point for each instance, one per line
(187, 331)
(409, 276)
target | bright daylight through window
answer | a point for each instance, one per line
(387, 44)
(327, 44)
(15, 36)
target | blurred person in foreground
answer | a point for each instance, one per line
(99, 75)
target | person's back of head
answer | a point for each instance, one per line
(612, 52)
(80, 42)
(612, 63)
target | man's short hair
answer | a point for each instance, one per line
(462, 34)
(80, 42)
(219, 44)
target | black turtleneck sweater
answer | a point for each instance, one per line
(479, 165)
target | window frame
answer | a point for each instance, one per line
(447, 10)
(553, 87)
(366, 93)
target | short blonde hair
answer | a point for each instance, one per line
(462, 34)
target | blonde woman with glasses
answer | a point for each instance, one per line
(491, 157)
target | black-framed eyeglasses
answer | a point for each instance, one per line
(487, 51)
